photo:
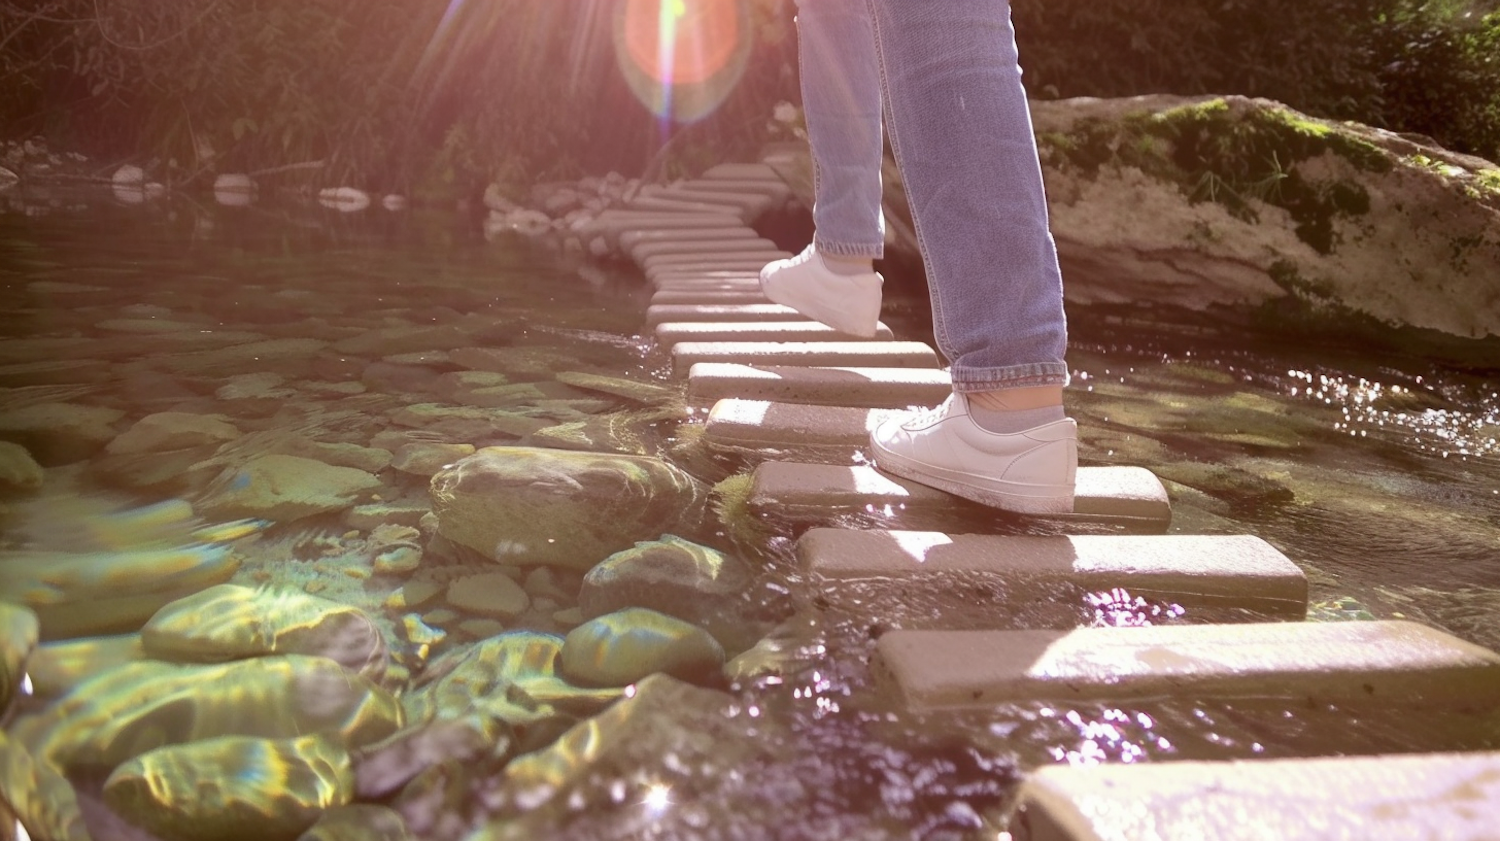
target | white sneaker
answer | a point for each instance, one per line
(1030, 472)
(847, 303)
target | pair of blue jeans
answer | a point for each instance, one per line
(947, 77)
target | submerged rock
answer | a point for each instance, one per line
(531, 506)
(137, 707)
(674, 576)
(358, 822)
(229, 622)
(38, 796)
(511, 677)
(173, 431)
(18, 470)
(59, 433)
(56, 667)
(232, 788)
(626, 646)
(18, 637)
(284, 488)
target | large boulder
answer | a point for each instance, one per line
(527, 506)
(1212, 201)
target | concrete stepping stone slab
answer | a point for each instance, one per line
(1385, 663)
(761, 429)
(876, 388)
(678, 206)
(696, 278)
(725, 284)
(777, 191)
(630, 239)
(752, 204)
(816, 354)
(709, 297)
(742, 312)
(741, 267)
(820, 494)
(670, 333)
(753, 255)
(741, 172)
(1435, 795)
(652, 248)
(612, 223)
(932, 580)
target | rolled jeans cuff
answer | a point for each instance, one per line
(1015, 376)
(849, 249)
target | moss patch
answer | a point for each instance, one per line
(1234, 154)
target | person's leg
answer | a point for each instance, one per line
(833, 281)
(961, 130)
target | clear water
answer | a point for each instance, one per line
(1377, 469)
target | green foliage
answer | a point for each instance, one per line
(1429, 67)
(435, 96)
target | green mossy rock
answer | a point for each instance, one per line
(283, 488)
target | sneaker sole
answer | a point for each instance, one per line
(1018, 503)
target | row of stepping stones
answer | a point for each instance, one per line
(798, 399)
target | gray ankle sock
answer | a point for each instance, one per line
(1016, 421)
(847, 266)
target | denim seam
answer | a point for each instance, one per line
(844, 249)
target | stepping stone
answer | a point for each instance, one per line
(1435, 795)
(1313, 663)
(698, 284)
(777, 191)
(875, 388)
(751, 204)
(612, 223)
(761, 429)
(630, 239)
(752, 255)
(709, 297)
(742, 267)
(704, 278)
(931, 580)
(742, 312)
(803, 354)
(679, 206)
(652, 248)
(669, 334)
(742, 172)
(820, 494)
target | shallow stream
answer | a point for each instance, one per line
(1375, 468)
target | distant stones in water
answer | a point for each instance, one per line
(19, 472)
(234, 189)
(489, 594)
(59, 433)
(424, 458)
(628, 645)
(530, 506)
(284, 488)
(674, 576)
(173, 431)
(465, 423)
(229, 622)
(344, 199)
(232, 788)
(634, 390)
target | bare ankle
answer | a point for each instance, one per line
(1017, 399)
